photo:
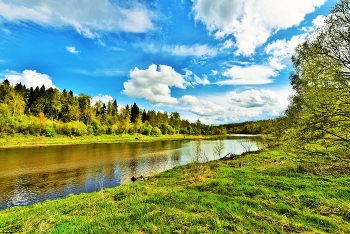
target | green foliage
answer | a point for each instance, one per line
(146, 130)
(318, 115)
(156, 131)
(76, 128)
(50, 131)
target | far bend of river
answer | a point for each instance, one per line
(34, 174)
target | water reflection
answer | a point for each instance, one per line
(30, 175)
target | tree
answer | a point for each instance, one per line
(84, 105)
(333, 38)
(144, 116)
(319, 110)
(134, 113)
(16, 102)
(4, 114)
(198, 127)
(54, 105)
(175, 121)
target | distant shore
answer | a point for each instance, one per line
(19, 140)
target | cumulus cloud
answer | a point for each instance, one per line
(71, 49)
(319, 21)
(154, 84)
(30, 78)
(92, 18)
(253, 74)
(251, 22)
(102, 98)
(255, 103)
(201, 107)
(253, 98)
(281, 51)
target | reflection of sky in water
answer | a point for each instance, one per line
(30, 175)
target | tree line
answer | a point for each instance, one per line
(267, 127)
(41, 111)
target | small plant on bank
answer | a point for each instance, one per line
(246, 144)
(219, 148)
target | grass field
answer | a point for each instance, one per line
(262, 192)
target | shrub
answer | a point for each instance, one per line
(77, 128)
(50, 131)
(156, 131)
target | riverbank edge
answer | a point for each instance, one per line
(26, 141)
(265, 191)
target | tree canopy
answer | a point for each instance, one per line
(319, 111)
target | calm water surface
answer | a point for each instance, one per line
(29, 175)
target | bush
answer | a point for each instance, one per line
(156, 131)
(50, 131)
(60, 128)
(77, 128)
(146, 130)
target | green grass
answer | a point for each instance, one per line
(20, 140)
(263, 192)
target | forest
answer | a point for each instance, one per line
(48, 112)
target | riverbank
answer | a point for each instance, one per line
(19, 140)
(266, 191)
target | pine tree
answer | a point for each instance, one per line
(134, 112)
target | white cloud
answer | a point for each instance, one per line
(214, 72)
(193, 50)
(201, 107)
(319, 21)
(97, 72)
(72, 49)
(253, 98)
(203, 81)
(281, 51)
(154, 85)
(103, 98)
(91, 18)
(255, 103)
(253, 74)
(30, 78)
(228, 44)
(251, 22)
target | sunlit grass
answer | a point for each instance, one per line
(18, 140)
(264, 192)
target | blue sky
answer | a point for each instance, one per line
(219, 61)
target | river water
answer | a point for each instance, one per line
(34, 174)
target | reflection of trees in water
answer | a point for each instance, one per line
(175, 157)
(133, 166)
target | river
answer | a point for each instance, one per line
(35, 174)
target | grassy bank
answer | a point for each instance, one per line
(267, 192)
(19, 140)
